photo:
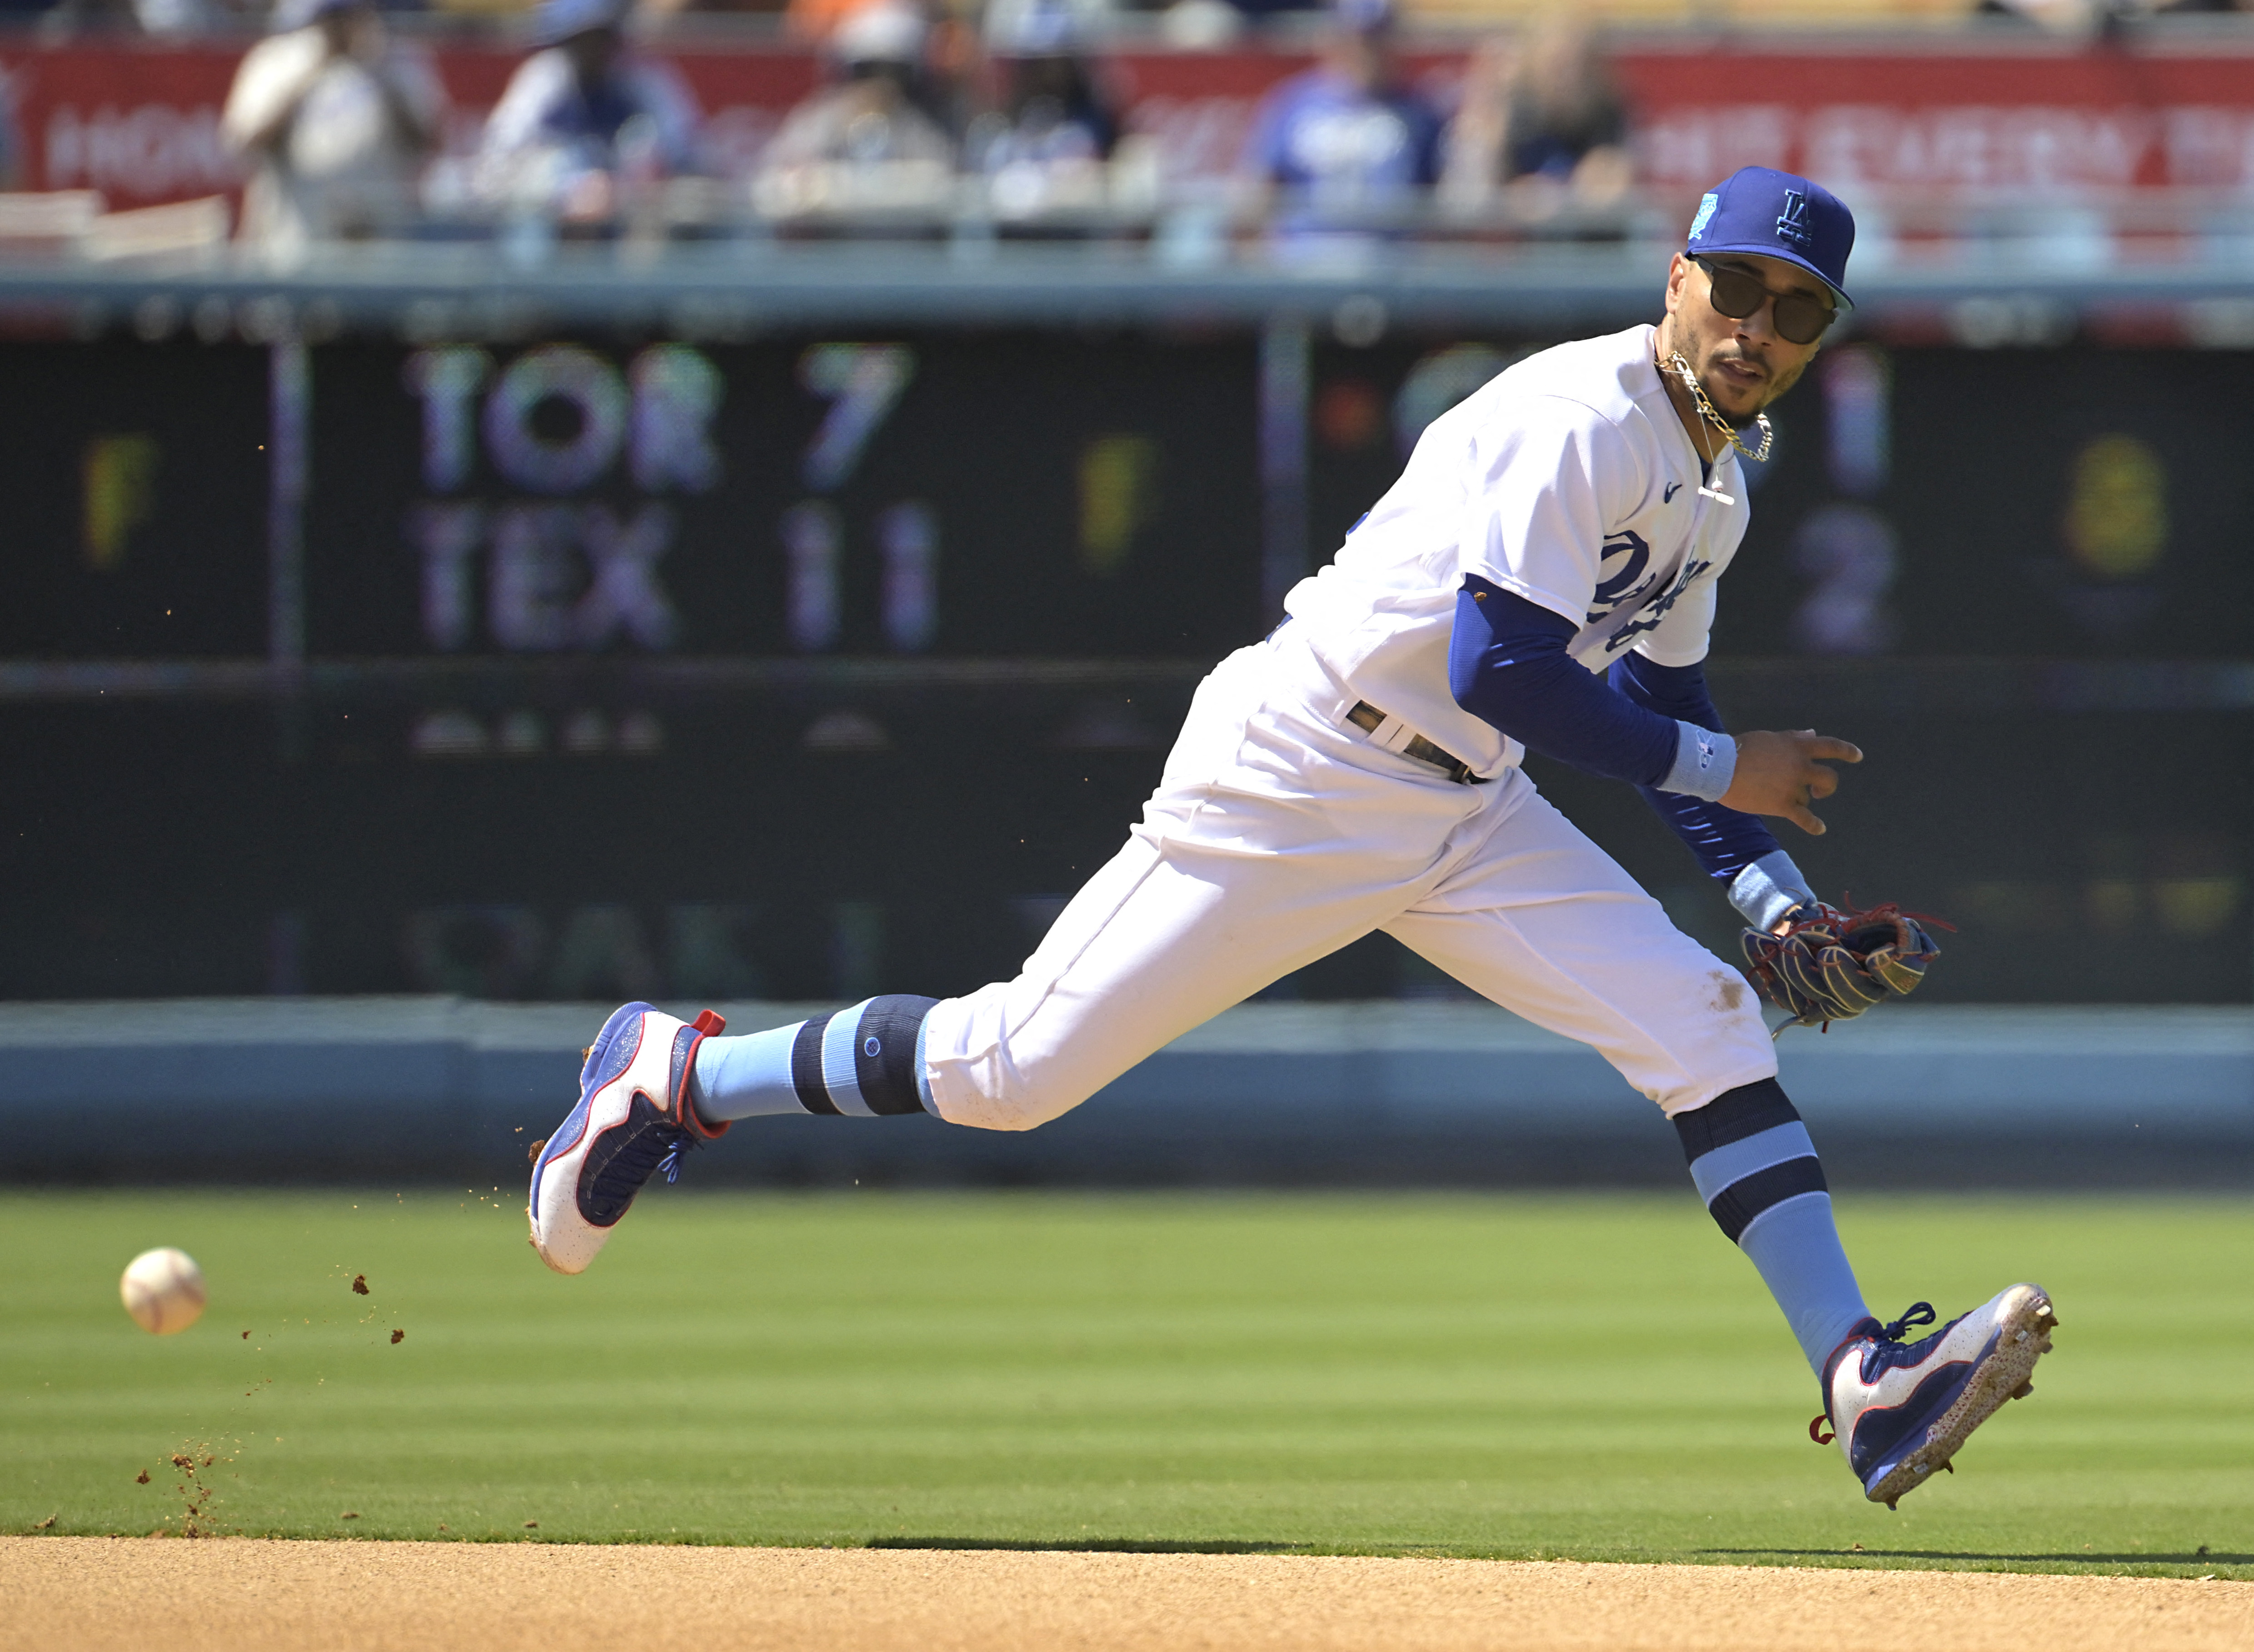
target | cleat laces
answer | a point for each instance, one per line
(626, 1158)
(1892, 1337)
(1916, 1314)
(683, 1144)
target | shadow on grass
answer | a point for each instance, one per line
(1096, 1546)
(2201, 1558)
(1772, 1557)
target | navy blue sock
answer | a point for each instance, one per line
(862, 1062)
(1756, 1169)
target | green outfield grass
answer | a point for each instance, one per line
(1593, 1376)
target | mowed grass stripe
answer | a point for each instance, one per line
(1601, 1377)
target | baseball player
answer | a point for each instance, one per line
(1543, 575)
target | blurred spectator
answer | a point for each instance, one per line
(1199, 25)
(1545, 123)
(1349, 141)
(175, 16)
(337, 121)
(867, 140)
(1047, 142)
(585, 117)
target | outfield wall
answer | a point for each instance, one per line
(1379, 1094)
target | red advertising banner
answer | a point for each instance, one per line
(139, 121)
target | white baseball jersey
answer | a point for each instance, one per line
(1281, 831)
(1569, 479)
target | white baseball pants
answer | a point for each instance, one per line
(1279, 833)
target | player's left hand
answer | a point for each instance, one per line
(1779, 773)
(1831, 963)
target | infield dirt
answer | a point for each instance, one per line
(246, 1595)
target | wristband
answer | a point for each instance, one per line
(1767, 890)
(1705, 762)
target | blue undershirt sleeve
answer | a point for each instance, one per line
(1652, 725)
(1764, 883)
(1508, 664)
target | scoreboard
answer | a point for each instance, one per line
(797, 662)
(1043, 493)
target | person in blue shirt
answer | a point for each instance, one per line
(1349, 145)
(583, 112)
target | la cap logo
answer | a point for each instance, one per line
(1792, 222)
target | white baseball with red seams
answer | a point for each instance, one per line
(163, 1290)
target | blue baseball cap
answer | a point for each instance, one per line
(1757, 209)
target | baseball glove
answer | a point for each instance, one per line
(1833, 965)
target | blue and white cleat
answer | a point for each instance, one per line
(1902, 1409)
(634, 1118)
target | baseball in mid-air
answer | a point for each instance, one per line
(163, 1290)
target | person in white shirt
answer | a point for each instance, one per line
(867, 139)
(1543, 575)
(338, 122)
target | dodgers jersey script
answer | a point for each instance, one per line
(1568, 479)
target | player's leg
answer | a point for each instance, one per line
(1273, 839)
(1169, 933)
(1547, 924)
(1543, 923)
(1278, 834)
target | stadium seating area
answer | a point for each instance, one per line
(1199, 129)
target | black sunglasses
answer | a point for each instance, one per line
(1737, 294)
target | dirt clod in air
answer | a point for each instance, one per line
(196, 1494)
(360, 1285)
(246, 1336)
(349, 1514)
(397, 1337)
(532, 1153)
(141, 1479)
(532, 1525)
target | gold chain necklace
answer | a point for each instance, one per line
(1713, 416)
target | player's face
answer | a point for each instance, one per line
(1743, 362)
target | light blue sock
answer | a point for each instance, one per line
(740, 1078)
(1796, 1247)
(1755, 1167)
(863, 1062)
